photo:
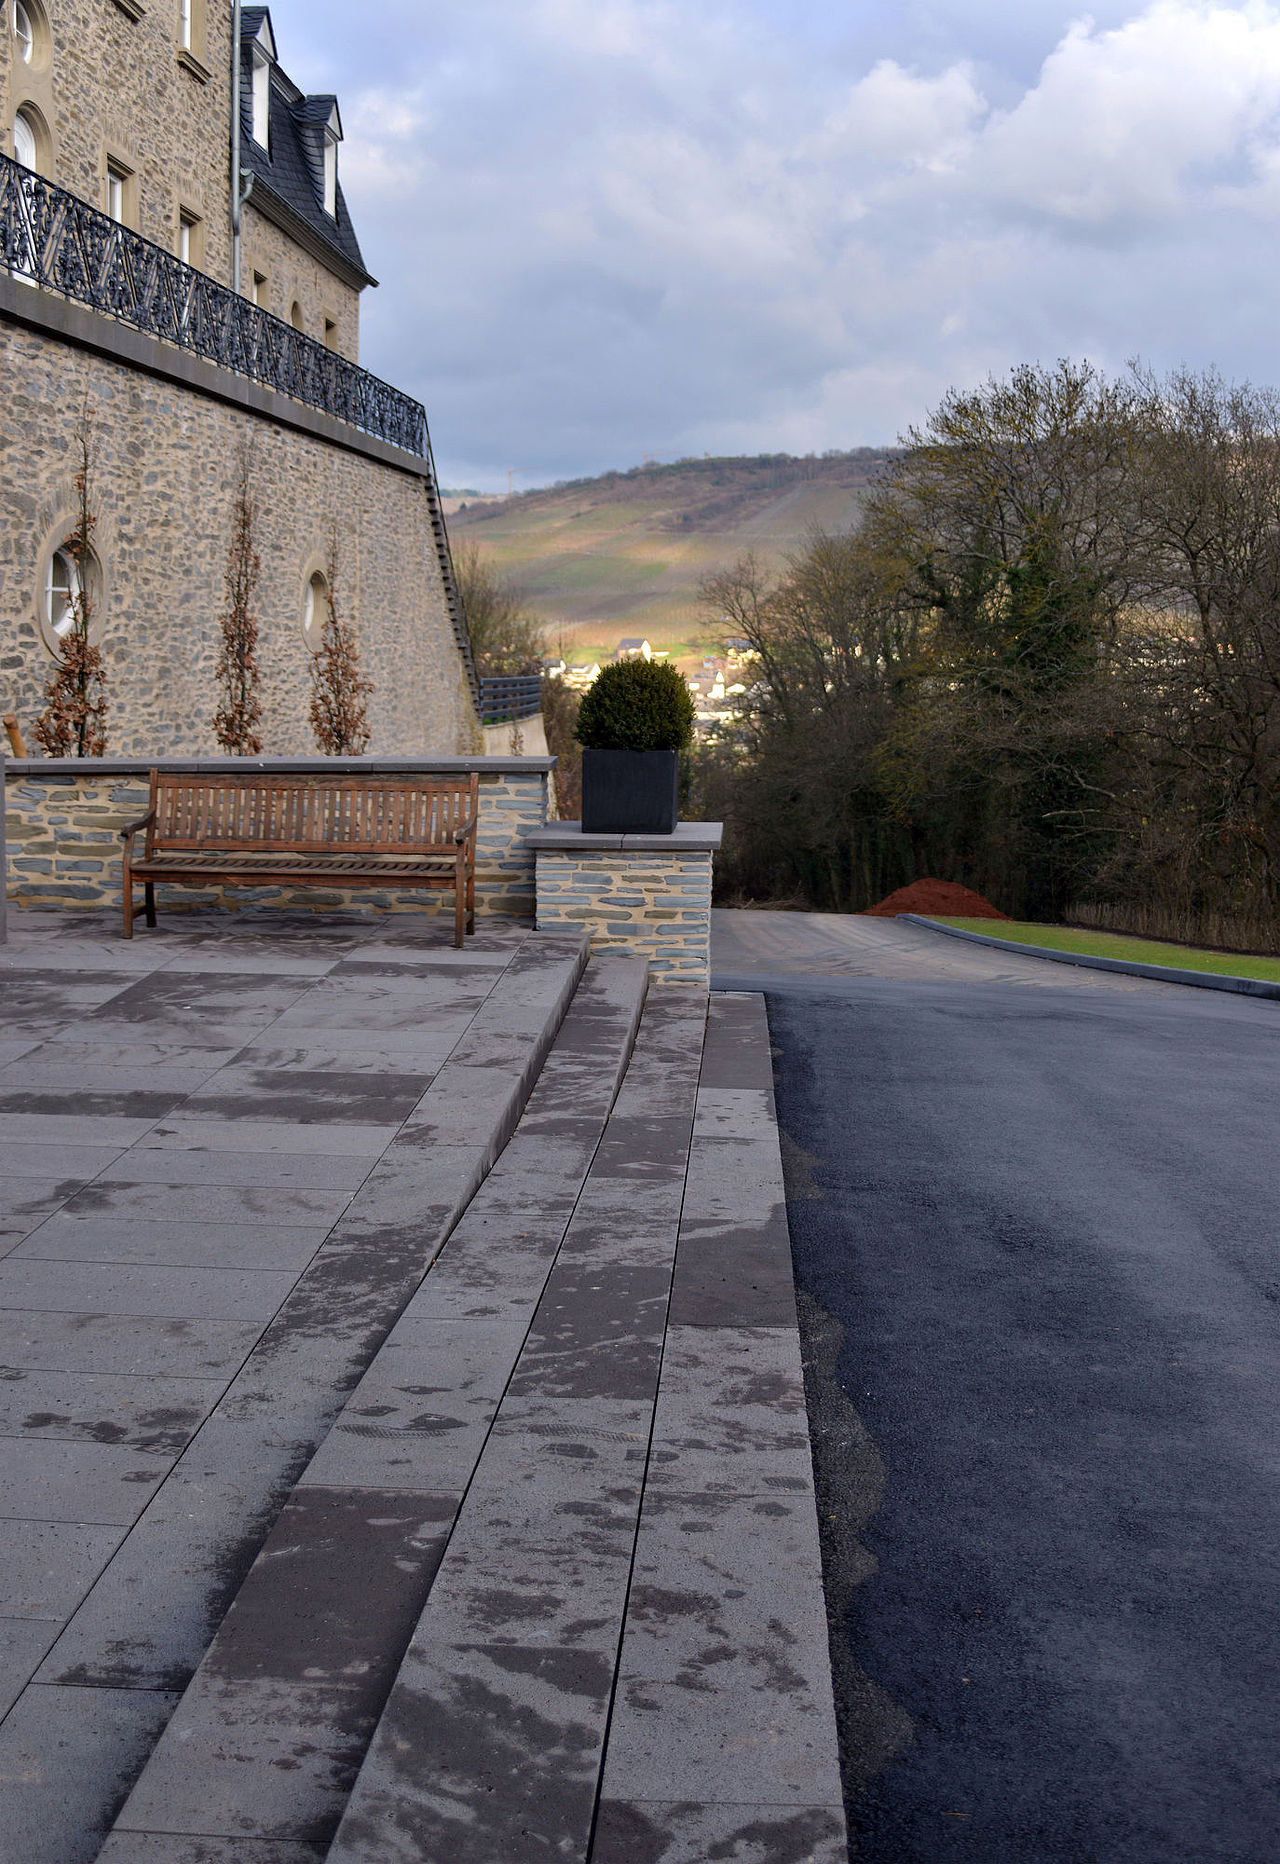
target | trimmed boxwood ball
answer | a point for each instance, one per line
(637, 705)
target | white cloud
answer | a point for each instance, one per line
(614, 226)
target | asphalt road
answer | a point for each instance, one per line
(1036, 1222)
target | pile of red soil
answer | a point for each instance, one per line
(935, 899)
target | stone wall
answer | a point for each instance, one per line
(106, 84)
(163, 490)
(294, 277)
(64, 817)
(645, 896)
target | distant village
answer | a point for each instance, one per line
(717, 686)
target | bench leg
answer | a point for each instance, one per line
(128, 905)
(471, 899)
(459, 909)
(149, 895)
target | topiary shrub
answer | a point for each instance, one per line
(636, 705)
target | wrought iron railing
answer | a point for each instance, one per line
(54, 239)
(509, 697)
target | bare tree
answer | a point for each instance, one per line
(505, 638)
(73, 723)
(338, 690)
(239, 713)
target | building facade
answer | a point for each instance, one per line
(121, 328)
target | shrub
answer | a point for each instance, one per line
(636, 705)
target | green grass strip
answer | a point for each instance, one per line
(1117, 945)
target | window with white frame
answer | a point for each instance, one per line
(24, 32)
(188, 237)
(62, 597)
(261, 92)
(26, 148)
(117, 188)
(184, 24)
(331, 174)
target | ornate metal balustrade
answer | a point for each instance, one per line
(51, 238)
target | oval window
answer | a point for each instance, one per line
(62, 598)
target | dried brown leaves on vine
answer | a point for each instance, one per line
(239, 713)
(339, 719)
(74, 720)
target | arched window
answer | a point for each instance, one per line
(315, 610)
(295, 315)
(24, 32)
(61, 597)
(26, 141)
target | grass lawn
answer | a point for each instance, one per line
(1116, 945)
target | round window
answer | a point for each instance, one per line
(315, 611)
(24, 140)
(62, 599)
(24, 32)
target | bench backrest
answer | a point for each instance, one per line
(305, 813)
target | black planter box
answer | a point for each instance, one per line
(629, 792)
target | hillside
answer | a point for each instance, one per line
(625, 553)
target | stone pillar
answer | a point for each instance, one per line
(648, 896)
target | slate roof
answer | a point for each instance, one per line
(290, 177)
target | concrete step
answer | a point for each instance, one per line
(126, 1294)
(624, 1652)
(262, 1749)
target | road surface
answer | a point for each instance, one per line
(1035, 1214)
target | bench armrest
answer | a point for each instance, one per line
(468, 829)
(130, 829)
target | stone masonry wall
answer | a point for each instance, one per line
(163, 489)
(106, 85)
(64, 821)
(644, 904)
(294, 277)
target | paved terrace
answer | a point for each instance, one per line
(312, 1549)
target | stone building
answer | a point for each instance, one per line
(189, 325)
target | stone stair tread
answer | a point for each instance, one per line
(141, 1622)
(262, 1748)
(645, 1493)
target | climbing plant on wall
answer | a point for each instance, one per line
(339, 719)
(74, 720)
(239, 713)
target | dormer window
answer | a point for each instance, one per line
(261, 98)
(330, 173)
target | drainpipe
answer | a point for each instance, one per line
(241, 185)
(235, 146)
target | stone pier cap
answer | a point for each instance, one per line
(638, 896)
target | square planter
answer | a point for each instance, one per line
(629, 792)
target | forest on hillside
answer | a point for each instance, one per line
(1045, 663)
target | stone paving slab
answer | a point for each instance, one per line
(192, 1286)
(273, 1726)
(723, 1729)
(491, 1742)
(646, 1483)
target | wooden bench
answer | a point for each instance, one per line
(307, 831)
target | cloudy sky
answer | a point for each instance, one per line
(612, 228)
